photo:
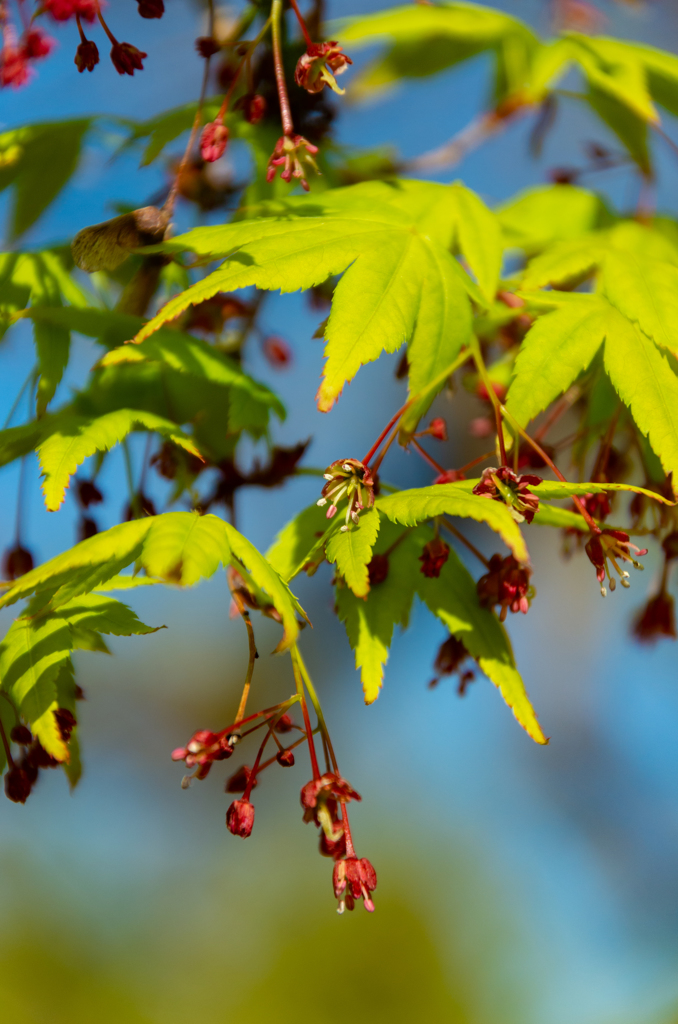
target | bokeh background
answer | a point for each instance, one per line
(517, 884)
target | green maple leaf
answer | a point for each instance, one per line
(400, 282)
(352, 550)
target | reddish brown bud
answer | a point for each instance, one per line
(17, 562)
(213, 141)
(438, 428)
(277, 352)
(87, 528)
(20, 734)
(433, 557)
(254, 108)
(36, 44)
(240, 780)
(670, 546)
(240, 818)
(88, 493)
(17, 785)
(285, 758)
(127, 58)
(284, 724)
(657, 619)
(377, 569)
(151, 8)
(86, 56)
(207, 46)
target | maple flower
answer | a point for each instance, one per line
(351, 479)
(611, 546)
(290, 153)
(276, 351)
(433, 557)
(658, 618)
(317, 67)
(18, 785)
(36, 44)
(14, 67)
(253, 107)
(319, 799)
(127, 58)
(151, 8)
(87, 55)
(213, 140)
(207, 46)
(353, 879)
(203, 748)
(240, 818)
(63, 10)
(17, 562)
(507, 584)
(450, 658)
(285, 758)
(437, 428)
(504, 485)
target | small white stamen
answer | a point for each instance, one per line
(613, 584)
(625, 583)
(321, 501)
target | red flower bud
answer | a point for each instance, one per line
(14, 69)
(284, 724)
(151, 8)
(87, 528)
(20, 734)
(17, 562)
(438, 428)
(36, 44)
(277, 352)
(207, 46)
(213, 141)
(433, 557)
(87, 492)
(127, 58)
(63, 10)
(254, 108)
(377, 569)
(285, 758)
(86, 56)
(657, 619)
(18, 785)
(240, 818)
(450, 476)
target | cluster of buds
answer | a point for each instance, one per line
(17, 55)
(350, 479)
(353, 878)
(23, 772)
(451, 659)
(294, 154)
(214, 140)
(611, 547)
(202, 750)
(318, 66)
(507, 584)
(503, 484)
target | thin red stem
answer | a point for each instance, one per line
(475, 462)
(425, 455)
(460, 536)
(350, 849)
(391, 422)
(105, 27)
(283, 98)
(302, 23)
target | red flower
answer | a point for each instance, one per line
(437, 428)
(62, 10)
(213, 141)
(450, 658)
(36, 44)
(320, 797)
(203, 748)
(86, 55)
(285, 758)
(290, 153)
(14, 68)
(354, 879)
(504, 485)
(277, 352)
(348, 477)
(507, 584)
(609, 546)
(317, 67)
(240, 818)
(658, 618)
(151, 8)
(433, 557)
(284, 724)
(253, 107)
(18, 785)
(127, 58)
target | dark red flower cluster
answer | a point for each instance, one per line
(433, 557)
(507, 584)
(450, 659)
(127, 58)
(503, 484)
(23, 773)
(292, 152)
(317, 67)
(612, 546)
